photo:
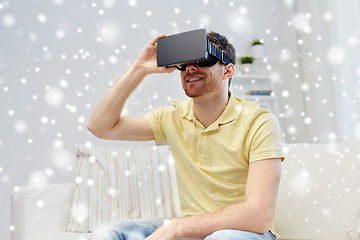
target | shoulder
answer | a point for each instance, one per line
(183, 108)
(252, 110)
(178, 104)
(177, 107)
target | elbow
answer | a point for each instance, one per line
(94, 130)
(264, 227)
(262, 219)
(91, 128)
(100, 132)
(264, 222)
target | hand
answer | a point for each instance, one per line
(147, 61)
(166, 232)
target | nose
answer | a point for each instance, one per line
(192, 67)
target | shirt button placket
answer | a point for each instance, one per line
(203, 148)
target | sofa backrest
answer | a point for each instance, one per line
(123, 182)
(36, 210)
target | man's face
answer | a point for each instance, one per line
(199, 81)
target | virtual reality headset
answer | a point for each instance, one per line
(192, 47)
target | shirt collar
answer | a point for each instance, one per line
(232, 111)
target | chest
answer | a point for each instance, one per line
(221, 145)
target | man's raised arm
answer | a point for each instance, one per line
(106, 121)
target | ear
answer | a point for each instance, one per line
(229, 71)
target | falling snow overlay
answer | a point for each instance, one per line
(58, 58)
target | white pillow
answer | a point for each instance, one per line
(319, 192)
(123, 183)
(354, 232)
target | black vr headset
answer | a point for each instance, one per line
(192, 47)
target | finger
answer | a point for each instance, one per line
(167, 69)
(171, 69)
(155, 40)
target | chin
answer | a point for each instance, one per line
(194, 95)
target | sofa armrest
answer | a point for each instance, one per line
(35, 210)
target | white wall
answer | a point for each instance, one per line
(316, 71)
(331, 70)
(345, 36)
(46, 100)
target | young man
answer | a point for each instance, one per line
(227, 152)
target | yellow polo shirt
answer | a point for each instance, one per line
(212, 164)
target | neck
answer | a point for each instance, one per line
(209, 108)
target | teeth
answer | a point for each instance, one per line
(193, 79)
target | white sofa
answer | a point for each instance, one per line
(319, 197)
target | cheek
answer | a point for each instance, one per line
(216, 75)
(182, 76)
(217, 72)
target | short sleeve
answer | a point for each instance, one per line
(266, 139)
(155, 120)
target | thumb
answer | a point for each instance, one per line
(170, 69)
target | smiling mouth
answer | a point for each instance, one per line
(194, 79)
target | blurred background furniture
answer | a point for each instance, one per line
(318, 197)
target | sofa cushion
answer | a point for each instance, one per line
(125, 182)
(58, 236)
(354, 232)
(319, 192)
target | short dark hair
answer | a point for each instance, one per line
(222, 43)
